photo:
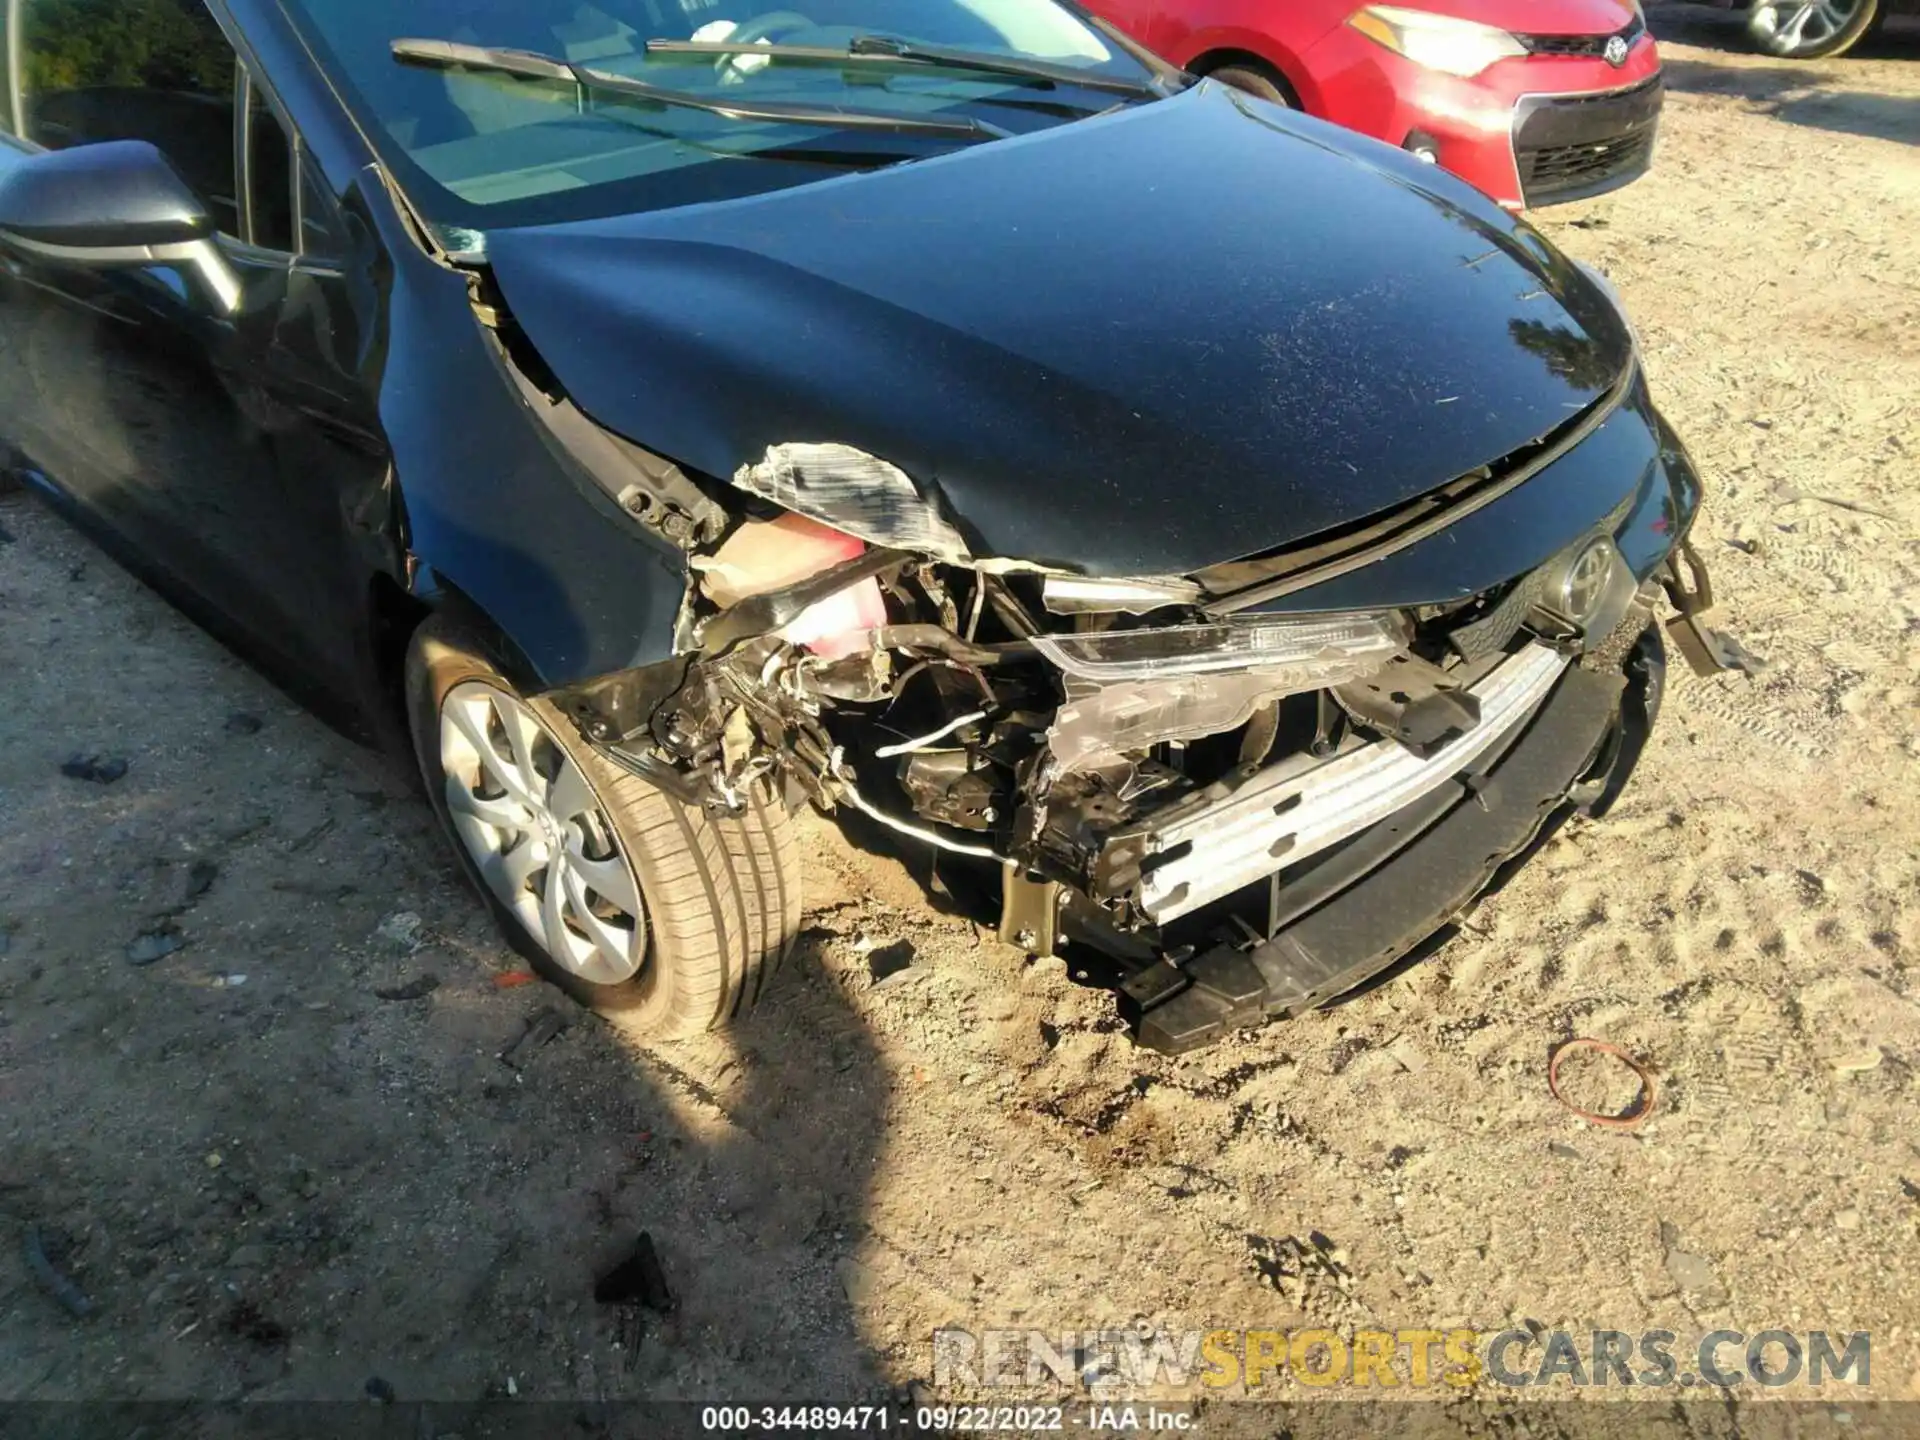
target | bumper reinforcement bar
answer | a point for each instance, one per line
(1302, 806)
(1417, 883)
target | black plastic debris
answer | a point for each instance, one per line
(94, 768)
(417, 988)
(890, 962)
(637, 1280)
(71, 1297)
(247, 1321)
(543, 1025)
(241, 723)
(379, 1389)
(154, 945)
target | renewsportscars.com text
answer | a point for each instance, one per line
(1114, 1361)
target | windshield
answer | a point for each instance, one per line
(479, 148)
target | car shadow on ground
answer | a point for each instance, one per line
(327, 1149)
(1814, 94)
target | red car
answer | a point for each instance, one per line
(1534, 101)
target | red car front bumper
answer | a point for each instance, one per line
(1533, 130)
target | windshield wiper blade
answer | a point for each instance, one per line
(531, 65)
(879, 50)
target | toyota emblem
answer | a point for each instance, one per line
(1586, 580)
(1616, 51)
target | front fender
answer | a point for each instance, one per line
(574, 583)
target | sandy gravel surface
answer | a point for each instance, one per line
(274, 1183)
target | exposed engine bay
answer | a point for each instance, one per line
(1142, 764)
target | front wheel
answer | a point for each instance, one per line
(1255, 80)
(1811, 29)
(638, 905)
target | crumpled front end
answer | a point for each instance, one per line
(1244, 808)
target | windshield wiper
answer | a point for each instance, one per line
(531, 65)
(879, 50)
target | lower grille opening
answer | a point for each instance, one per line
(1561, 168)
(1567, 146)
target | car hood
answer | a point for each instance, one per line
(1137, 344)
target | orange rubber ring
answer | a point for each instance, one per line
(1627, 1119)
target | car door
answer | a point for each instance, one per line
(224, 455)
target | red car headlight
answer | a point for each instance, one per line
(1439, 42)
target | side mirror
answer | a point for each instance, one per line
(114, 205)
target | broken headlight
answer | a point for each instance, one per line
(1297, 653)
(854, 492)
(1100, 723)
(1128, 690)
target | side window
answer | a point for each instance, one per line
(154, 70)
(270, 176)
(159, 71)
(321, 230)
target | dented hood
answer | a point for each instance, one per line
(1137, 344)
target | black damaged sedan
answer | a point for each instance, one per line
(1220, 540)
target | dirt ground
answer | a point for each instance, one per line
(275, 1183)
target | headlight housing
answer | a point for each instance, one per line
(1439, 42)
(854, 492)
(1129, 690)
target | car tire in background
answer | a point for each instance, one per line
(659, 915)
(1812, 29)
(1256, 79)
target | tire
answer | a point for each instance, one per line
(1812, 29)
(718, 897)
(1255, 80)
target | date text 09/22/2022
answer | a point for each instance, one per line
(1093, 1418)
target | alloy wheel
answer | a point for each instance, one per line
(538, 834)
(1794, 28)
